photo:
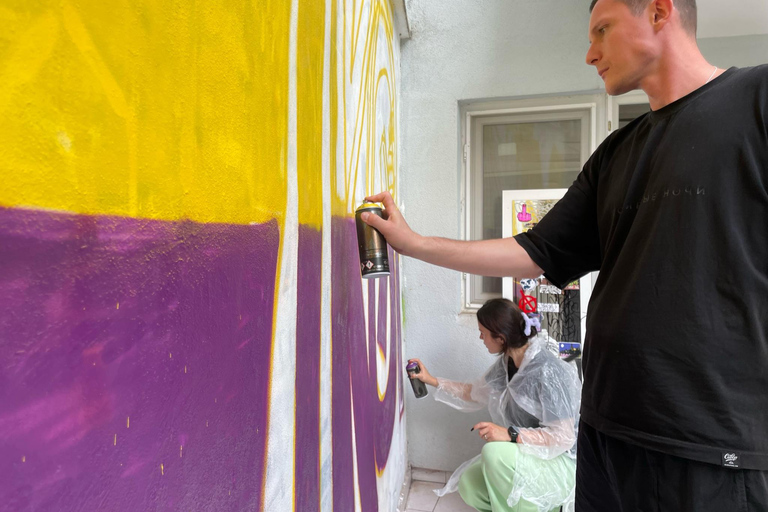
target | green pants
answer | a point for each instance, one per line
(502, 467)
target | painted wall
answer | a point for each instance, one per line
(463, 50)
(183, 325)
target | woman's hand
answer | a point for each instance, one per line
(423, 375)
(491, 432)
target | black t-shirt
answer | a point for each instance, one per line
(673, 212)
(511, 369)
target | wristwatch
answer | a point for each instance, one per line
(512, 434)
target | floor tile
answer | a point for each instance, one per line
(427, 475)
(452, 503)
(421, 497)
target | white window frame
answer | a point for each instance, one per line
(614, 102)
(594, 103)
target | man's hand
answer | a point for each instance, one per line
(393, 226)
(491, 432)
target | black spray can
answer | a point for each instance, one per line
(374, 261)
(419, 388)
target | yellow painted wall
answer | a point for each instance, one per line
(140, 108)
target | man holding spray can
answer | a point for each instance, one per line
(672, 211)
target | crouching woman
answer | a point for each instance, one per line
(528, 463)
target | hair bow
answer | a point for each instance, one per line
(535, 322)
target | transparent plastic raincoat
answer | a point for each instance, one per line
(541, 402)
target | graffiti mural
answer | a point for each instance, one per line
(183, 325)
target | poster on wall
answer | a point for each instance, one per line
(562, 311)
(525, 208)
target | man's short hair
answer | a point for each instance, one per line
(687, 9)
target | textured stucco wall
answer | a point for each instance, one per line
(183, 325)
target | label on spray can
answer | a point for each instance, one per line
(374, 260)
(419, 388)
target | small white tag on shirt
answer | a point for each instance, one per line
(731, 460)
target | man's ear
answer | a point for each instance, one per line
(661, 12)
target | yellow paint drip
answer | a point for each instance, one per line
(23, 458)
(162, 470)
(128, 422)
(181, 450)
(115, 442)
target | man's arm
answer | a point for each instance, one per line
(499, 257)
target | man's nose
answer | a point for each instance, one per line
(592, 56)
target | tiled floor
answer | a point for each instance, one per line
(422, 499)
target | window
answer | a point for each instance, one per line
(623, 109)
(519, 145)
(528, 144)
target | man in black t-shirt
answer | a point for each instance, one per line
(672, 210)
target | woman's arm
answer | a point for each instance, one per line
(460, 390)
(463, 396)
(550, 391)
(558, 434)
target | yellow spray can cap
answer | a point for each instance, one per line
(366, 206)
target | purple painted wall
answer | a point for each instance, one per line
(134, 358)
(307, 473)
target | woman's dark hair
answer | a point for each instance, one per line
(504, 320)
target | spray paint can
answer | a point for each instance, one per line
(419, 388)
(374, 260)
